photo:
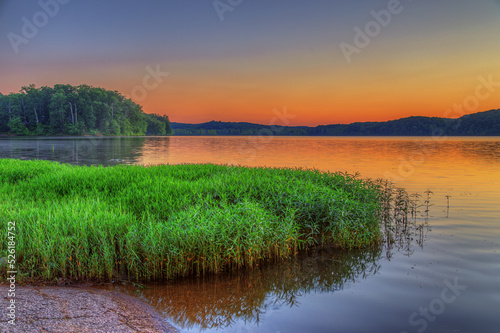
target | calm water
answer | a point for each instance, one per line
(449, 281)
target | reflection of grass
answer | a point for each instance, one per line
(219, 301)
(162, 222)
(398, 230)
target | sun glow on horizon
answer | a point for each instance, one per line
(424, 63)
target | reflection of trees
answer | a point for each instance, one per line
(487, 151)
(80, 150)
(483, 150)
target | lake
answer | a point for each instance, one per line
(443, 277)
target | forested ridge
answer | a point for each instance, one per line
(478, 124)
(76, 110)
(85, 110)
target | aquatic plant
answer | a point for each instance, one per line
(166, 221)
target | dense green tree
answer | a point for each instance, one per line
(17, 126)
(158, 125)
(76, 110)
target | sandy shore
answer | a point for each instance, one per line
(78, 309)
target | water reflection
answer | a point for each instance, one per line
(245, 298)
(351, 154)
(222, 300)
(77, 150)
(463, 173)
(489, 151)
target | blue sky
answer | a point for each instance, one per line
(264, 54)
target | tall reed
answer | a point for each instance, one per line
(166, 221)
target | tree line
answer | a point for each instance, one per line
(478, 124)
(76, 110)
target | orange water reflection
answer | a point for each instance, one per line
(320, 293)
(417, 163)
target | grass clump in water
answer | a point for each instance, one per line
(167, 221)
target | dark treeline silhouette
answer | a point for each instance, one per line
(478, 124)
(76, 110)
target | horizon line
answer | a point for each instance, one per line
(356, 122)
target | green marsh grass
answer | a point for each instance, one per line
(167, 221)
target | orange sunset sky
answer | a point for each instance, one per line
(239, 63)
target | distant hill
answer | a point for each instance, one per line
(485, 123)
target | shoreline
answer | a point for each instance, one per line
(80, 308)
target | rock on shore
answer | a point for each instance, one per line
(78, 309)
